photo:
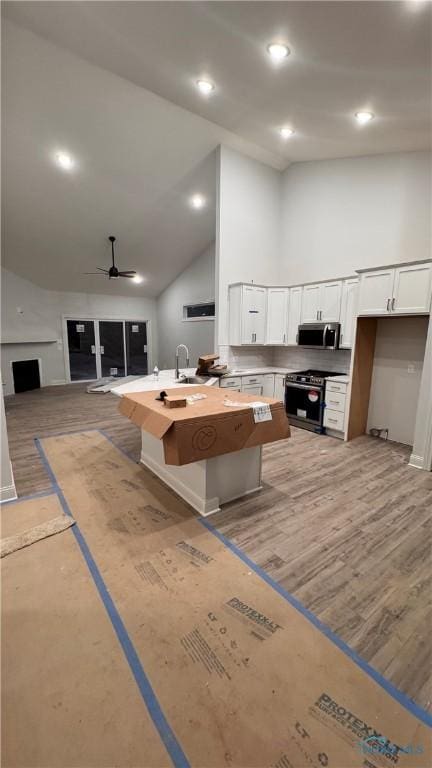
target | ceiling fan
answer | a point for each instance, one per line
(113, 272)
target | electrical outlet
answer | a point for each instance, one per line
(410, 368)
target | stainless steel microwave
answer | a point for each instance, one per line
(319, 335)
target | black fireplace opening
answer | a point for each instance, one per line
(26, 375)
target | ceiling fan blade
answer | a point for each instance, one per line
(101, 269)
(95, 273)
(126, 274)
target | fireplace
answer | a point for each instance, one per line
(26, 375)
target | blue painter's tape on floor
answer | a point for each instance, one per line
(165, 731)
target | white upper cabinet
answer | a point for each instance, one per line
(376, 291)
(404, 290)
(348, 311)
(330, 300)
(277, 307)
(247, 314)
(294, 313)
(322, 302)
(310, 303)
(412, 289)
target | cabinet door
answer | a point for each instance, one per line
(253, 315)
(252, 389)
(269, 385)
(279, 388)
(294, 314)
(277, 300)
(310, 303)
(348, 312)
(376, 292)
(412, 289)
(330, 302)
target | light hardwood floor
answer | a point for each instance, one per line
(346, 528)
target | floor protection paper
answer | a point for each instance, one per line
(243, 677)
(69, 699)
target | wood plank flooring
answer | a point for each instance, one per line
(346, 528)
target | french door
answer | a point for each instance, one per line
(99, 348)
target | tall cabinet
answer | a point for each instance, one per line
(348, 312)
(247, 314)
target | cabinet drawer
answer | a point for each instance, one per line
(253, 380)
(333, 386)
(252, 389)
(231, 383)
(334, 419)
(335, 401)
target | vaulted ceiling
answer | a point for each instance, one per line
(113, 83)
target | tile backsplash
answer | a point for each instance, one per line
(246, 357)
(337, 360)
(286, 357)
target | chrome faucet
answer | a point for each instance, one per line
(177, 358)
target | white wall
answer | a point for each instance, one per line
(398, 364)
(422, 448)
(40, 318)
(247, 228)
(7, 483)
(343, 215)
(195, 284)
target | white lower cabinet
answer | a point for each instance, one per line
(233, 382)
(334, 420)
(252, 389)
(269, 385)
(279, 386)
(252, 385)
(335, 406)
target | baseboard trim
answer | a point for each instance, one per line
(8, 493)
(417, 462)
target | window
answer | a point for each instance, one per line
(203, 311)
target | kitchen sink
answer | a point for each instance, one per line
(191, 380)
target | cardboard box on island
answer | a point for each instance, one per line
(207, 427)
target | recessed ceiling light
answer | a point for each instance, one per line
(364, 117)
(278, 51)
(197, 201)
(286, 132)
(137, 279)
(205, 86)
(65, 161)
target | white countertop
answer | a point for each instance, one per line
(167, 379)
(149, 383)
(341, 378)
(257, 371)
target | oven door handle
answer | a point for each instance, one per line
(304, 386)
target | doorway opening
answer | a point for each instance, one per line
(99, 348)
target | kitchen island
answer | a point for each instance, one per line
(209, 452)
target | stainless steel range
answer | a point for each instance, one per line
(305, 398)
